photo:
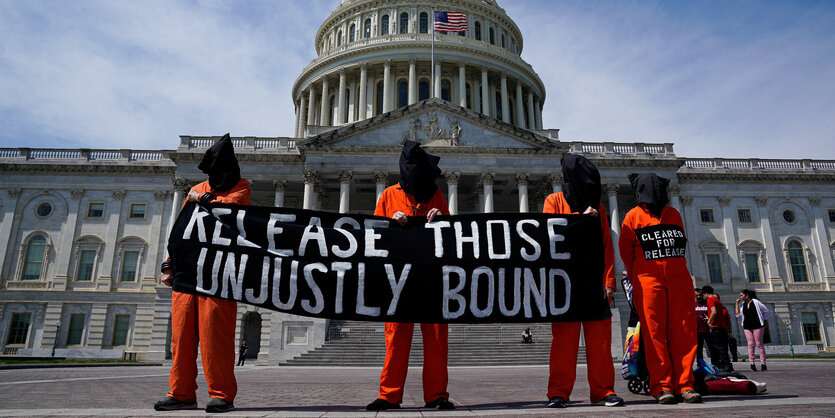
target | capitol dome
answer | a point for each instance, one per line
(375, 56)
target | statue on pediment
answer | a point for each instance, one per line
(430, 129)
(455, 134)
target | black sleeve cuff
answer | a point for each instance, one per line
(207, 197)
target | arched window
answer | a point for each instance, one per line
(499, 106)
(346, 107)
(35, 254)
(404, 22)
(798, 262)
(367, 28)
(423, 90)
(384, 25)
(352, 36)
(492, 37)
(339, 38)
(477, 31)
(445, 90)
(402, 93)
(379, 97)
(424, 23)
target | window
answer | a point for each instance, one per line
(19, 328)
(76, 329)
(121, 323)
(706, 216)
(402, 93)
(352, 36)
(33, 263)
(477, 31)
(384, 25)
(811, 328)
(423, 90)
(492, 37)
(85, 265)
(714, 268)
(511, 113)
(95, 210)
(797, 261)
(339, 38)
(499, 106)
(332, 107)
(462, 33)
(832, 215)
(788, 216)
(404, 22)
(503, 44)
(744, 216)
(445, 90)
(379, 97)
(137, 211)
(44, 209)
(424, 23)
(129, 266)
(752, 268)
(366, 28)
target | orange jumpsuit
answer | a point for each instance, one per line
(565, 336)
(399, 335)
(663, 296)
(209, 321)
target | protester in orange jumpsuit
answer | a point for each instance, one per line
(652, 244)
(581, 194)
(209, 321)
(415, 195)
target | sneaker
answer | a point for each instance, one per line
(691, 396)
(219, 405)
(556, 402)
(610, 400)
(381, 405)
(665, 398)
(753, 368)
(440, 403)
(764, 367)
(170, 403)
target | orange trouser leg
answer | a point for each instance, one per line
(217, 345)
(598, 338)
(650, 297)
(396, 365)
(681, 332)
(183, 377)
(435, 376)
(562, 366)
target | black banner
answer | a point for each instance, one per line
(459, 269)
(662, 241)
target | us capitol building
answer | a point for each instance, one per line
(83, 231)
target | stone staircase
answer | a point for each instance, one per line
(356, 343)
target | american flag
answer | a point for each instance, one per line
(450, 21)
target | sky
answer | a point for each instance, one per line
(732, 79)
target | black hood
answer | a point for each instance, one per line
(418, 171)
(650, 190)
(220, 164)
(581, 183)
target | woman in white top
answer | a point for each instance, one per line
(753, 314)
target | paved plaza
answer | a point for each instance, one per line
(795, 388)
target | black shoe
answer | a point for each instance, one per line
(556, 402)
(381, 405)
(219, 405)
(665, 398)
(764, 367)
(171, 403)
(440, 403)
(753, 368)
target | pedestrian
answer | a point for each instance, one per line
(717, 322)
(415, 195)
(242, 353)
(581, 194)
(661, 283)
(753, 314)
(203, 320)
(702, 331)
(527, 337)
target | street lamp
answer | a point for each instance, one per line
(55, 340)
(789, 332)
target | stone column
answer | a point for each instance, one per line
(67, 235)
(730, 238)
(280, 188)
(7, 219)
(345, 178)
(302, 117)
(485, 93)
(476, 90)
(462, 84)
(614, 220)
(387, 106)
(413, 83)
(180, 190)
(520, 107)
(487, 179)
(319, 198)
(298, 111)
(311, 106)
(324, 117)
(340, 105)
(556, 182)
(363, 105)
(675, 202)
(437, 93)
(381, 180)
(452, 192)
(827, 269)
(531, 113)
(522, 182)
(505, 102)
(537, 113)
(311, 177)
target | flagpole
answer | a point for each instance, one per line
(432, 82)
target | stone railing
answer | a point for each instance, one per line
(621, 148)
(53, 154)
(245, 144)
(756, 163)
